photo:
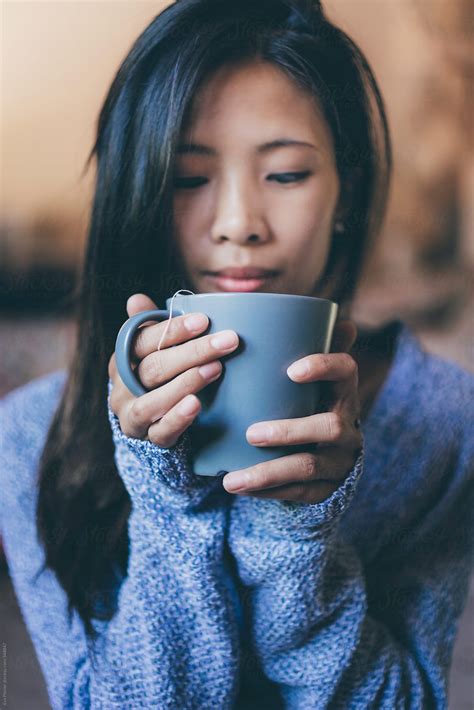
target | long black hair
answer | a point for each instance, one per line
(83, 506)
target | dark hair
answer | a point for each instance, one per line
(83, 506)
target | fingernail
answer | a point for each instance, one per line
(189, 405)
(258, 433)
(226, 339)
(298, 369)
(235, 480)
(195, 322)
(211, 369)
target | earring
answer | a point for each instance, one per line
(339, 227)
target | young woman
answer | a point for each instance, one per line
(239, 135)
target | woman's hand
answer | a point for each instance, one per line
(163, 414)
(313, 476)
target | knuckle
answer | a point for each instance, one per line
(265, 479)
(191, 379)
(201, 348)
(139, 345)
(334, 426)
(283, 433)
(325, 362)
(349, 363)
(136, 411)
(307, 464)
(152, 370)
(165, 433)
(125, 426)
(173, 331)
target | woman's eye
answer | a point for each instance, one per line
(189, 183)
(284, 178)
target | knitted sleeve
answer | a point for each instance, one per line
(333, 635)
(173, 641)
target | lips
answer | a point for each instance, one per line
(225, 283)
(242, 278)
(247, 272)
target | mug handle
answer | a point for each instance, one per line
(123, 346)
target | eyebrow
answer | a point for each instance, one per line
(199, 149)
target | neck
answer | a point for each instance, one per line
(373, 352)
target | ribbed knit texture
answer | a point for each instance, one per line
(239, 602)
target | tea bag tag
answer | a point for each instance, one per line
(181, 290)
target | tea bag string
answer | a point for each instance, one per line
(181, 290)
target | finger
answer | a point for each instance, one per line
(142, 412)
(296, 468)
(178, 330)
(112, 367)
(338, 368)
(167, 431)
(139, 302)
(314, 492)
(160, 367)
(325, 428)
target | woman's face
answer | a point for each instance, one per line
(238, 205)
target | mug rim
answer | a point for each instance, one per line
(250, 293)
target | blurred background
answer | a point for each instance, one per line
(57, 60)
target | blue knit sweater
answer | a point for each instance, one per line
(239, 602)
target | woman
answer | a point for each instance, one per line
(328, 580)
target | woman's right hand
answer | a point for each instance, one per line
(163, 414)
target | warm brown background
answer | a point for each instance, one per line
(57, 61)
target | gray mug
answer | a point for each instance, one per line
(274, 330)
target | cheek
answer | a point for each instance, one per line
(190, 217)
(181, 216)
(185, 226)
(307, 211)
(306, 224)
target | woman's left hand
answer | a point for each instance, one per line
(312, 476)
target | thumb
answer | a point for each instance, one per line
(141, 302)
(344, 336)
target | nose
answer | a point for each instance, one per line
(238, 217)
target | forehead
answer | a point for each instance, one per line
(251, 100)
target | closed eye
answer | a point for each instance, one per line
(285, 178)
(188, 183)
(282, 178)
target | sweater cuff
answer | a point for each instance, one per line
(147, 468)
(279, 518)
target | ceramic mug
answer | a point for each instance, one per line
(274, 329)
